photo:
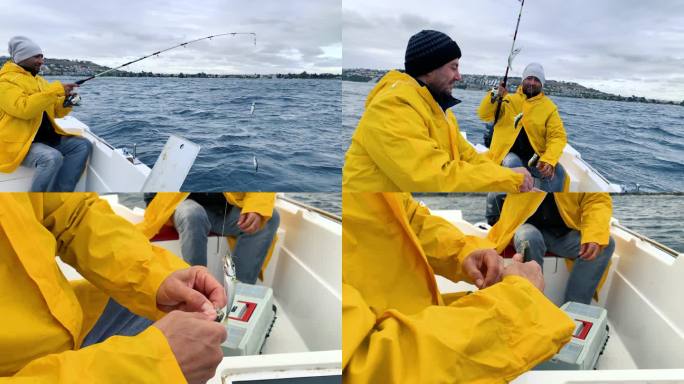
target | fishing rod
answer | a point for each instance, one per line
(73, 99)
(513, 53)
(79, 82)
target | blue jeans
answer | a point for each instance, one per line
(194, 222)
(58, 168)
(115, 321)
(585, 275)
(554, 184)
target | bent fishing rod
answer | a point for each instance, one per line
(74, 98)
(79, 82)
(511, 55)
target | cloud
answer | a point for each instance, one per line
(292, 36)
(622, 43)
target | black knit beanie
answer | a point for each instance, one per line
(428, 50)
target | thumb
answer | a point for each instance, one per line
(518, 258)
(195, 302)
(475, 274)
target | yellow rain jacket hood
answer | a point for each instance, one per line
(23, 99)
(406, 142)
(45, 317)
(398, 328)
(540, 118)
(588, 213)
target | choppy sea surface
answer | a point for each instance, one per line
(628, 143)
(657, 216)
(294, 131)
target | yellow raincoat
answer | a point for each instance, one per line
(540, 118)
(406, 142)
(23, 99)
(398, 328)
(45, 317)
(164, 204)
(160, 210)
(589, 213)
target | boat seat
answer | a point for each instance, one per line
(169, 233)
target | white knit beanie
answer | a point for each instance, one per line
(22, 48)
(536, 70)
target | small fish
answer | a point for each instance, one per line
(256, 164)
(251, 110)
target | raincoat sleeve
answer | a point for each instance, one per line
(15, 102)
(470, 155)
(555, 139)
(108, 250)
(445, 246)
(397, 141)
(259, 202)
(597, 208)
(146, 357)
(490, 336)
(487, 109)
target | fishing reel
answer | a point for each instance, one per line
(74, 99)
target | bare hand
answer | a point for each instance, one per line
(529, 270)
(249, 222)
(195, 342)
(502, 90)
(527, 183)
(68, 88)
(547, 170)
(484, 267)
(589, 251)
(192, 290)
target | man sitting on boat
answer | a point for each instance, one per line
(528, 124)
(570, 225)
(249, 217)
(29, 135)
(55, 330)
(408, 137)
(396, 325)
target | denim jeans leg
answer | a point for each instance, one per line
(116, 320)
(47, 161)
(512, 161)
(76, 151)
(585, 275)
(532, 239)
(192, 224)
(250, 249)
(554, 184)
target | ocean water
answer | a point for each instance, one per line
(657, 216)
(628, 143)
(294, 131)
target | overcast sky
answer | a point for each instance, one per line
(626, 47)
(292, 35)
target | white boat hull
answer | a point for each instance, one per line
(113, 169)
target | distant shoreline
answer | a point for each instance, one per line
(486, 82)
(78, 68)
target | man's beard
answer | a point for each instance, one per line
(33, 71)
(531, 91)
(443, 93)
